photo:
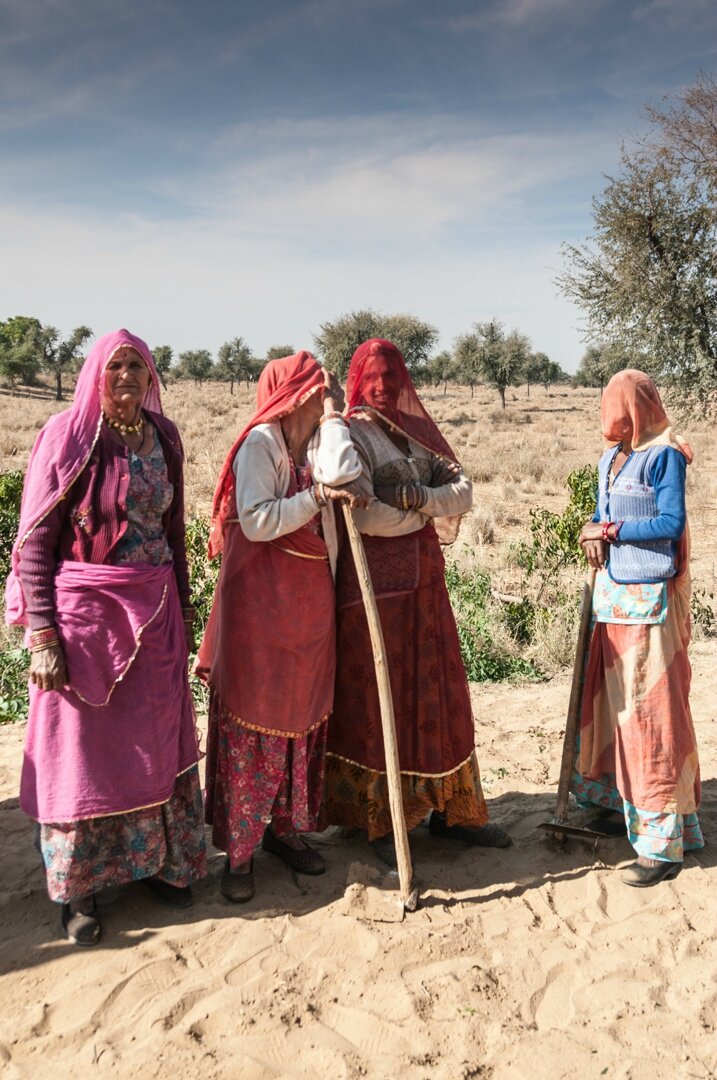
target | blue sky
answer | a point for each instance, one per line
(198, 171)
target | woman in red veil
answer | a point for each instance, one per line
(269, 649)
(416, 493)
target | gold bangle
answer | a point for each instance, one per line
(44, 648)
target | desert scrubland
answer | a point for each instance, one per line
(518, 963)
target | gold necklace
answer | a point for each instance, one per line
(125, 429)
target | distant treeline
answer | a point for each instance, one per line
(486, 355)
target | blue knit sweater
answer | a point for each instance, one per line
(648, 495)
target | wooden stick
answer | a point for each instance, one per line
(388, 722)
(567, 763)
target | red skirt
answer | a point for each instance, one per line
(434, 720)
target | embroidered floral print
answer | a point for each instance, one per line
(148, 497)
(82, 857)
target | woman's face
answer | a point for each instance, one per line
(380, 383)
(313, 407)
(127, 379)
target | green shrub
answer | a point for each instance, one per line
(484, 659)
(10, 496)
(14, 664)
(203, 575)
(554, 544)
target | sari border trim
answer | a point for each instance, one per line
(120, 813)
(403, 772)
(368, 410)
(128, 665)
(272, 731)
(83, 466)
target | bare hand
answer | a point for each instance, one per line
(333, 395)
(445, 472)
(48, 670)
(593, 545)
(350, 493)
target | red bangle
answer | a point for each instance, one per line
(606, 532)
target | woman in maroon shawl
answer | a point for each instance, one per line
(269, 652)
(100, 580)
(417, 493)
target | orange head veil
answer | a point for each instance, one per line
(631, 410)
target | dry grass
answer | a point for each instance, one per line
(518, 459)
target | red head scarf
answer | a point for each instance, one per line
(402, 409)
(283, 386)
(631, 409)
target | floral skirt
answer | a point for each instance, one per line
(357, 797)
(165, 841)
(654, 834)
(254, 779)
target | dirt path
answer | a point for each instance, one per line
(519, 963)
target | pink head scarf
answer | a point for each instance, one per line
(63, 447)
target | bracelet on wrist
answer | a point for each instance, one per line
(320, 495)
(332, 416)
(45, 638)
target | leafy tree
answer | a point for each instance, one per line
(196, 364)
(337, 341)
(599, 363)
(278, 352)
(58, 356)
(491, 356)
(547, 371)
(19, 355)
(234, 362)
(439, 369)
(647, 279)
(533, 369)
(163, 357)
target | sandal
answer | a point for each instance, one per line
(303, 861)
(82, 928)
(479, 835)
(238, 888)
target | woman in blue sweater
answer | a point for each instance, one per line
(637, 754)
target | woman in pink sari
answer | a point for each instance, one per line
(100, 581)
(269, 652)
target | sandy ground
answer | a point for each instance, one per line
(518, 963)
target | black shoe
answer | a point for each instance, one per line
(642, 877)
(480, 835)
(238, 888)
(608, 826)
(303, 861)
(82, 929)
(174, 896)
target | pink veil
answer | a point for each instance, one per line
(63, 447)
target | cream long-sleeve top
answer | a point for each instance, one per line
(262, 472)
(382, 463)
